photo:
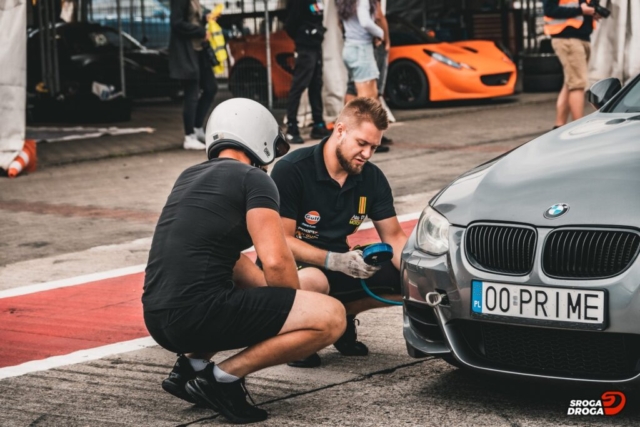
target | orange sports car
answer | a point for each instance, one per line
(421, 68)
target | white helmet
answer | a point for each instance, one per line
(245, 124)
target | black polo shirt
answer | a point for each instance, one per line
(326, 213)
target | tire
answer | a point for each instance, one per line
(407, 85)
(541, 64)
(542, 83)
(248, 79)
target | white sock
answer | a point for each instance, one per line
(222, 377)
(198, 364)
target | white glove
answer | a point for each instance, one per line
(350, 263)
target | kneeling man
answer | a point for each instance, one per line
(326, 191)
(202, 295)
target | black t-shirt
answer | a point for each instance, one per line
(326, 213)
(202, 230)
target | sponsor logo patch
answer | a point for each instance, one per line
(357, 220)
(312, 217)
(610, 403)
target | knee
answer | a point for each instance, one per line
(336, 322)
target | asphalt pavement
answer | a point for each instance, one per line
(96, 212)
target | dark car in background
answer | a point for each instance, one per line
(89, 53)
(528, 265)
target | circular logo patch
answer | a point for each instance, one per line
(556, 211)
(312, 217)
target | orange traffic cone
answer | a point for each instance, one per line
(26, 160)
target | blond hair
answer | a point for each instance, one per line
(361, 109)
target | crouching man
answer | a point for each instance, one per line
(326, 192)
(202, 295)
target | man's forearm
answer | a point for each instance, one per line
(282, 276)
(304, 252)
(281, 273)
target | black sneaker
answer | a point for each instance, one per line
(178, 377)
(319, 131)
(382, 148)
(293, 135)
(312, 361)
(348, 344)
(386, 141)
(229, 399)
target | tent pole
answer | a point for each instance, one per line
(54, 43)
(47, 40)
(121, 49)
(267, 31)
(41, 28)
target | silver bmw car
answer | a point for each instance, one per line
(527, 265)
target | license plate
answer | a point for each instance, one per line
(575, 306)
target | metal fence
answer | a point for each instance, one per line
(244, 23)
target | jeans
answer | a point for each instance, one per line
(196, 104)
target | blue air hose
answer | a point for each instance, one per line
(376, 254)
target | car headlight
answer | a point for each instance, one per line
(432, 233)
(448, 61)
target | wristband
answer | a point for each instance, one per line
(326, 261)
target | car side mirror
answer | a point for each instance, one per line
(601, 92)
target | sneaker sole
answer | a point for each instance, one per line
(177, 391)
(201, 398)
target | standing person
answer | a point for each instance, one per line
(202, 295)
(304, 26)
(381, 54)
(326, 192)
(360, 33)
(570, 24)
(189, 63)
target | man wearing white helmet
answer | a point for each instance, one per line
(202, 295)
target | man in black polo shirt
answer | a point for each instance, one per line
(202, 295)
(326, 192)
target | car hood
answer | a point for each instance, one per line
(593, 165)
(479, 54)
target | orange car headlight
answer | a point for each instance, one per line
(448, 61)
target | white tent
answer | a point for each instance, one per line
(13, 57)
(615, 45)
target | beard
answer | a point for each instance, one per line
(352, 169)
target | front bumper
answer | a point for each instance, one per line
(449, 330)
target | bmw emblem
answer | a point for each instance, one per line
(556, 211)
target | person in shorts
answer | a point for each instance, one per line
(326, 192)
(202, 295)
(570, 24)
(381, 54)
(360, 32)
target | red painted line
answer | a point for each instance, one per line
(64, 320)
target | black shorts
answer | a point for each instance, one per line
(348, 289)
(231, 319)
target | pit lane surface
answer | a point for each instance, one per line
(97, 216)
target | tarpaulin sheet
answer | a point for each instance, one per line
(615, 45)
(13, 57)
(334, 73)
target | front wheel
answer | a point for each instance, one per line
(407, 85)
